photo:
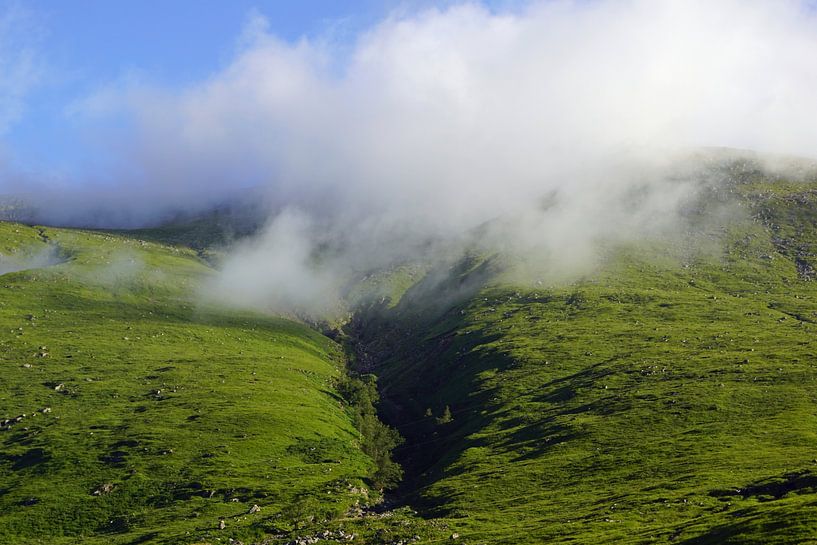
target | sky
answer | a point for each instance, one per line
(57, 54)
(76, 47)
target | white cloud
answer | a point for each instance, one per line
(436, 122)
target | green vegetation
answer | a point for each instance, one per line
(667, 397)
(144, 418)
(209, 233)
(379, 440)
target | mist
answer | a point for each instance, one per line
(548, 128)
(47, 257)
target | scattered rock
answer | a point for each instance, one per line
(310, 540)
(9, 422)
(326, 535)
(362, 491)
(254, 509)
(106, 488)
(222, 524)
(455, 536)
(59, 387)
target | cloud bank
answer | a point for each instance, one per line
(547, 122)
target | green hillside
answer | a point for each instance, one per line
(668, 398)
(129, 415)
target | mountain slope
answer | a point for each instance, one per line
(667, 397)
(131, 415)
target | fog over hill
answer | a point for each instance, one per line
(554, 127)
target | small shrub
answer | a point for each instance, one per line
(446, 416)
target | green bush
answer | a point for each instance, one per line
(379, 440)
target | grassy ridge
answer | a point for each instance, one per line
(668, 398)
(148, 419)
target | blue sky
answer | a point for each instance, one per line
(80, 46)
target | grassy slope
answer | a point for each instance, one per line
(669, 398)
(209, 233)
(190, 414)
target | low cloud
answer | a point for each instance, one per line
(45, 257)
(558, 125)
